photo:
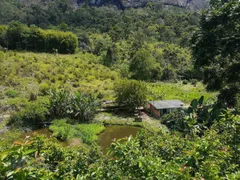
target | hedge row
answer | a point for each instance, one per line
(18, 36)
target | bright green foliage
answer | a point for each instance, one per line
(43, 159)
(79, 106)
(122, 40)
(19, 36)
(83, 107)
(87, 132)
(131, 93)
(59, 103)
(184, 93)
(11, 93)
(171, 156)
(38, 73)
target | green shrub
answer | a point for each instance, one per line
(12, 93)
(32, 114)
(185, 81)
(44, 88)
(194, 82)
(59, 103)
(81, 107)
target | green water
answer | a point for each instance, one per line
(115, 132)
(43, 131)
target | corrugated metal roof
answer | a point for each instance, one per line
(167, 104)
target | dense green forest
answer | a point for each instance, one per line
(80, 70)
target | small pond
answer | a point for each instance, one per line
(104, 139)
(115, 132)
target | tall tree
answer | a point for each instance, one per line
(216, 46)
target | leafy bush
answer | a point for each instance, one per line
(32, 114)
(59, 105)
(81, 107)
(194, 82)
(185, 81)
(44, 88)
(148, 156)
(12, 93)
(131, 93)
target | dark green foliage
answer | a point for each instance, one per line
(21, 37)
(3, 32)
(175, 121)
(185, 81)
(131, 93)
(216, 47)
(229, 96)
(144, 66)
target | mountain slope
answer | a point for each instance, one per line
(122, 4)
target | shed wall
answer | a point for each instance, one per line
(154, 111)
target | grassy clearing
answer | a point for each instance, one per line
(114, 119)
(148, 123)
(185, 93)
(87, 132)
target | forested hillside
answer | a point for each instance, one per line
(122, 39)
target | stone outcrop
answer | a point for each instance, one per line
(123, 4)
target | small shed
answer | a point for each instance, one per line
(159, 108)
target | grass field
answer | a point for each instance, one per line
(185, 93)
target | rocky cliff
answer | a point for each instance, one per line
(123, 4)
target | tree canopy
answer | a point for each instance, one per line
(216, 45)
